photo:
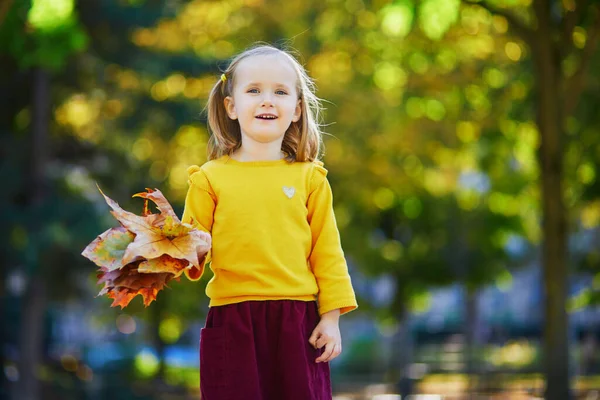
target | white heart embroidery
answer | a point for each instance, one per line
(289, 191)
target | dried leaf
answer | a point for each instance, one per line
(108, 249)
(152, 245)
(161, 202)
(174, 228)
(142, 255)
(194, 273)
(121, 297)
(164, 263)
(134, 223)
(122, 285)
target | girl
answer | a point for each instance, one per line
(280, 279)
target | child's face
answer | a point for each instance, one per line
(265, 100)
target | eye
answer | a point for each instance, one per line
(281, 92)
(252, 91)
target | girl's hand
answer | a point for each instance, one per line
(327, 333)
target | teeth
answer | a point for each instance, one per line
(267, 116)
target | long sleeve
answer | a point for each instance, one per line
(198, 211)
(327, 257)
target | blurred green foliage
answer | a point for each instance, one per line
(432, 145)
(432, 139)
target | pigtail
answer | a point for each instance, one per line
(225, 133)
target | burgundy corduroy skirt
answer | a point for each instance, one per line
(259, 350)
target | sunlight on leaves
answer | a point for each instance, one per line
(392, 250)
(412, 207)
(397, 18)
(50, 14)
(513, 51)
(590, 215)
(389, 76)
(504, 281)
(146, 364)
(170, 329)
(467, 131)
(384, 198)
(420, 302)
(436, 16)
(586, 173)
(579, 37)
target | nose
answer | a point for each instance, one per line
(267, 99)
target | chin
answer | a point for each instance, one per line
(266, 137)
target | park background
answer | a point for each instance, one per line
(463, 149)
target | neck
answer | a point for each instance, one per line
(255, 151)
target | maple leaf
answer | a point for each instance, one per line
(194, 273)
(152, 245)
(164, 263)
(122, 297)
(124, 284)
(132, 222)
(108, 248)
(170, 237)
(161, 202)
(145, 252)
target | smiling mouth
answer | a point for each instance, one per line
(266, 116)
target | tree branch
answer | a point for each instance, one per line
(518, 25)
(575, 85)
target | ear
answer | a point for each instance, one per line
(230, 107)
(297, 111)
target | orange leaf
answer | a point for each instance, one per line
(161, 202)
(121, 297)
(132, 279)
(194, 273)
(124, 284)
(133, 223)
(164, 263)
(146, 210)
(149, 295)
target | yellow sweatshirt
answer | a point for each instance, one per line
(274, 234)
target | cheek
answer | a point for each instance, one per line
(291, 107)
(245, 107)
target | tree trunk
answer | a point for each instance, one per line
(31, 341)
(33, 305)
(554, 249)
(471, 342)
(403, 345)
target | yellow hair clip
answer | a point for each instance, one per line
(223, 78)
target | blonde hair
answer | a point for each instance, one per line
(302, 140)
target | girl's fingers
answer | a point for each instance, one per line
(338, 351)
(329, 349)
(322, 341)
(313, 339)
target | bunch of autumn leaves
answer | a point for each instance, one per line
(145, 252)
